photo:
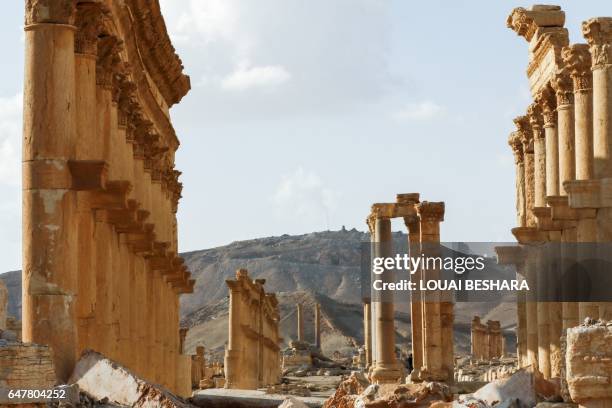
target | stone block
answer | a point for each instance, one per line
(520, 386)
(101, 378)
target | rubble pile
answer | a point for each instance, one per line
(303, 360)
(468, 370)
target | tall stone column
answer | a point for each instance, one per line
(367, 330)
(300, 322)
(539, 152)
(598, 33)
(517, 149)
(234, 343)
(387, 368)
(49, 238)
(317, 316)
(435, 360)
(89, 22)
(565, 119)
(548, 105)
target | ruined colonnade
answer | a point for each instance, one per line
(100, 192)
(252, 357)
(487, 341)
(562, 148)
(431, 317)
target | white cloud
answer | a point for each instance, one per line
(303, 194)
(255, 77)
(425, 110)
(10, 139)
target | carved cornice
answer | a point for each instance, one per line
(431, 211)
(90, 18)
(598, 33)
(109, 60)
(526, 22)
(163, 64)
(50, 12)
(577, 59)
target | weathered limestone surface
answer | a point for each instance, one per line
(487, 340)
(102, 379)
(25, 365)
(589, 364)
(252, 357)
(100, 189)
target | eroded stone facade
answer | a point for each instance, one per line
(100, 191)
(252, 357)
(487, 340)
(563, 172)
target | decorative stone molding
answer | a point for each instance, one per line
(431, 211)
(108, 60)
(598, 33)
(516, 144)
(534, 112)
(90, 18)
(563, 86)
(548, 103)
(577, 58)
(50, 12)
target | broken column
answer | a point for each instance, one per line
(317, 321)
(300, 322)
(367, 331)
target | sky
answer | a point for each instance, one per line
(303, 114)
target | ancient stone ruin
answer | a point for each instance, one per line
(432, 321)
(563, 171)
(252, 357)
(100, 191)
(487, 341)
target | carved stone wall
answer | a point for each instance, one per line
(252, 357)
(100, 190)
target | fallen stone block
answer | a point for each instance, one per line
(291, 402)
(519, 386)
(104, 380)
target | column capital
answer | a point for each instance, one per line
(89, 20)
(598, 33)
(577, 58)
(562, 84)
(516, 144)
(526, 22)
(50, 12)
(431, 211)
(524, 132)
(548, 104)
(109, 60)
(534, 113)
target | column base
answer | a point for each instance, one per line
(232, 358)
(387, 373)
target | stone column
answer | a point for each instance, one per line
(531, 309)
(539, 152)
(517, 149)
(387, 369)
(598, 33)
(317, 316)
(89, 19)
(435, 360)
(367, 331)
(548, 105)
(234, 342)
(300, 322)
(565, 118)
(49, 239)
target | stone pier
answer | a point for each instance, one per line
(252, 358)
(317, 324)
(100, 190)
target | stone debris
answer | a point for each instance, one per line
(521, 386)
(468, 370)
(104, 380)
(290, 402)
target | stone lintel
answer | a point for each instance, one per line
(525, 22)
(510, 255)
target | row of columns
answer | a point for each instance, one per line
(431, 317)
(562, 150)
(99, 202)
(252, 356)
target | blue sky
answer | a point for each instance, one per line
(302, 114)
